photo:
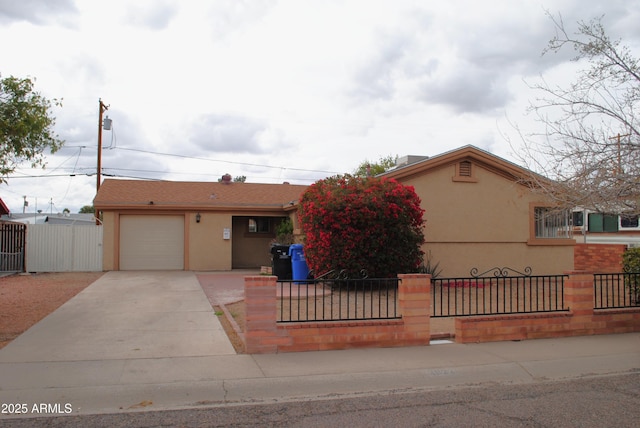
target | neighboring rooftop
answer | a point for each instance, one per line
(3, 208)
(409, 159)
(42, 218)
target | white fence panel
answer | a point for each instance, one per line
(63, 248)
(87, 248)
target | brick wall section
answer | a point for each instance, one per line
(261, 334)
(264, 335)
(602, 258)
(414, 302)
(579, 320)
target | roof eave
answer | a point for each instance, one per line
(192, 207)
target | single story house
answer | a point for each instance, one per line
(602, 228)
(479, 211)
(152, 225)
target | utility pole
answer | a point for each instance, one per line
(617, 137)
(102, 109)
(106, 124)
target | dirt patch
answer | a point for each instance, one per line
(26, 299)
(232, 318)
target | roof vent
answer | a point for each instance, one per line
(226, 179)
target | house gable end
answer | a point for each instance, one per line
(465, 160)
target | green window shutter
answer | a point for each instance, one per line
(596, 223)
(610, 223)
(603, 222)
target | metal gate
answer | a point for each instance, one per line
(12, 243)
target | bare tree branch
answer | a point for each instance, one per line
(590, 145)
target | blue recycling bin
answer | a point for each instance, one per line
(299, 266)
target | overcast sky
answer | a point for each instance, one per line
(278, 90)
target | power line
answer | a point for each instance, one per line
(137, 177)
(75, 171)
(215, 160)
(48, 176)
(225, 161)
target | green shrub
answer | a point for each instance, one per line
(430, 267)
(284, 232)
(631, 264)
(631, 260)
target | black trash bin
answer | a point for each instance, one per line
(281, 261)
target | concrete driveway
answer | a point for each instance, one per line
(125, 315)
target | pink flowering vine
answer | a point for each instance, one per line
(356, 223)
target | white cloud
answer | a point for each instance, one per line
(466, 88)
(36, 11)
(155, 15)
(220, 133)
(285, 90)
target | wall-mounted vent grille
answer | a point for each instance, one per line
(465, 169)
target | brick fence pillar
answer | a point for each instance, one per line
(414, 303)
(578, 294)
(261, 312)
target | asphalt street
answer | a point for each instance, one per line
(598, 401)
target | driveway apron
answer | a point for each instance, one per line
(125, 315)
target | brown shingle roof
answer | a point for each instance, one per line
(189, 194)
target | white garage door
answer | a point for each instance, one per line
(151, 242)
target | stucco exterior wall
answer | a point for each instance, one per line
(108, 241)
(206, 247)
(457, 259)
(482, 223)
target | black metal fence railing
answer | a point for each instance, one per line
(337, 299)
(12, 244)
(616, 290)
(498, 294)
(11, 262)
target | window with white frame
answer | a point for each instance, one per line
(629, 221)
(551, 223)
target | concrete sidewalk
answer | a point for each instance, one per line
(150, 341)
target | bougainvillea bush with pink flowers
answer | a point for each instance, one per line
(354, 223)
